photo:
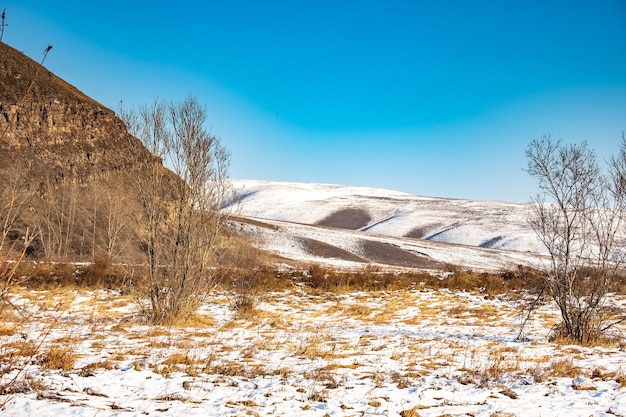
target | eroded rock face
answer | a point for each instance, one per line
(46, 122)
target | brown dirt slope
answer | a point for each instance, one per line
(385, 253)
(325, 250)
(348, 218)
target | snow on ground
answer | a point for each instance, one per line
(303, 353)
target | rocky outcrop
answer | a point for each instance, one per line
(49, 125)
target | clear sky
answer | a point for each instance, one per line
(436, 98)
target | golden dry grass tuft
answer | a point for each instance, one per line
(313, 346)
(92, 368)
(177, 362)
(411, 412)
(357, 310)
(226, 369)
(23, 347)
(57, 357)
(8, 329)
(564, 368)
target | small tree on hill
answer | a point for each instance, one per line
(181, 223)
(578, 217)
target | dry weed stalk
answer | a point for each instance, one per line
(3, 24)
(22, 363)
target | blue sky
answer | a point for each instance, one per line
(436, 98)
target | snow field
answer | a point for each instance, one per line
(303, 353)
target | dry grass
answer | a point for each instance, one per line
(564, 368)
(358, 310)
(8, 329)
(57, 357)
(92, 368)
(411, 412)
(24, 348)
(315, 345)
(373, 279)
(177, 362)
(54, 275)
(226, 369)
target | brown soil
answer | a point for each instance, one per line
(385, 253)
(422, 232)
(325, 250)
(349, 218)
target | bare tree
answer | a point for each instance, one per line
(182, 222)
(110, 218)
(577, 217)
(59, 219)
(15, 198)
(116, 219)
(15, 240)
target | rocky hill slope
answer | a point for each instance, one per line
(66, 161)
(53, 130)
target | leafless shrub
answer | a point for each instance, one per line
(182, 224)
(10, 260)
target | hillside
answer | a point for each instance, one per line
(489, 224)
(65, 157)
(352, 226)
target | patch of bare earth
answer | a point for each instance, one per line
(385, 253)
(349, 218)
(422, 232)
(324, 250)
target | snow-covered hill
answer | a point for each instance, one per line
(353, 225)
(488, 224)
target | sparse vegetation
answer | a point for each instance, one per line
(313, 345)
